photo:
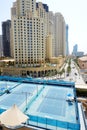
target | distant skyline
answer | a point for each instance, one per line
(74, 12)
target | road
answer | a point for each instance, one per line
(73, 76)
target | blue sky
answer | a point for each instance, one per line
(74, 12)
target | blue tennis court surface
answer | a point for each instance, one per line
(20, 95)
(52, 107)
(4, 85)
(53, 103)
(45, 104)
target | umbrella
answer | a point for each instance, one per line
(13, 117)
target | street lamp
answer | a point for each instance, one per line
(26, 99)
(37, 90)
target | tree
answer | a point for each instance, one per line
(68, 69)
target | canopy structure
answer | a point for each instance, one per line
(13, 117)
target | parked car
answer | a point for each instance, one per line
(75, 73)
(67, 74)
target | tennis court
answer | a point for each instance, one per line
(44, 101)
(52, 110)
(53, 103)
(21, 95)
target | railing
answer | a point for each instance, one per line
(48, 121)
(84, 117)
(40, 81)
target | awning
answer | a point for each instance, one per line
(13, 117)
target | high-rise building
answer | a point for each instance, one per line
(52, 31)
(29, 32)
(57, 28)
(6, 37)
(60, 35)
(1, 49)
(67, 43)
(75, 49)
(76, 52)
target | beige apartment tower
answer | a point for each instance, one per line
(60, 35)
(29, 30)
(52, 31)
(57, 28)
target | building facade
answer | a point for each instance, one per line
(52, 31)
(60, 35)
(6, 38)
(29, 32)
(57, 29)
(82, 61)
(75, 49)
(67, 43)
(1, 49)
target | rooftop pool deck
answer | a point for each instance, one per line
(50, 104)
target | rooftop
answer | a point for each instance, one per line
(49, 104)
(83, 58)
